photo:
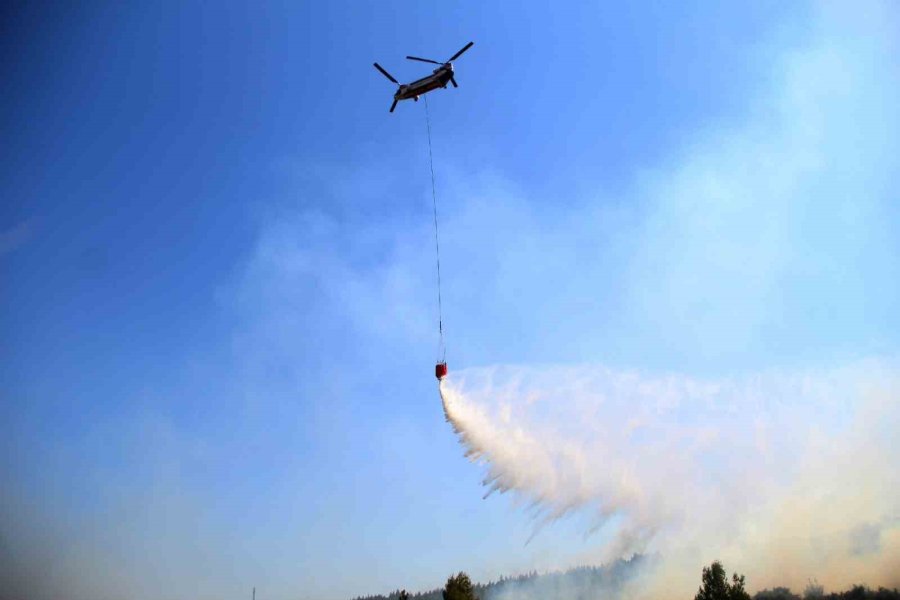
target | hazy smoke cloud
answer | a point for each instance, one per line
(784, 476)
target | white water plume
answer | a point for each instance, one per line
(787, 476)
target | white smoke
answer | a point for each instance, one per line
(782, 476)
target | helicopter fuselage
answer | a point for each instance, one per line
(438, 79)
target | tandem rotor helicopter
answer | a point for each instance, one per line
(438, 78)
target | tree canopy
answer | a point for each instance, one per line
(459, 587)
(716, 587)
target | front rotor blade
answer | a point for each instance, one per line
(428, 60)
(393, 106)
(453, 81)
(385, 73)
(458, 54)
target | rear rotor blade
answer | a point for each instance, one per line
(458, 54)
(428, 60)
(385, 73)
(393, 106)
(453, 81)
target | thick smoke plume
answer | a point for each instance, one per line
(784, 476)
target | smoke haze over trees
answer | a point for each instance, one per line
(610, 582)
(577, 583)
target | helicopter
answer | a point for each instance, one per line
(438, 78)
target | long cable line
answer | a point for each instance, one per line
(442, 350)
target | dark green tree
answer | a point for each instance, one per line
(857, 592)
(459, 587)
(716, 587)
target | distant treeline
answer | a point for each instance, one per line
(580, 583)
(592, 583)
(815, 592)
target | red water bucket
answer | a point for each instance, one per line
(440, 370)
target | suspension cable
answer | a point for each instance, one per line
(442, 350)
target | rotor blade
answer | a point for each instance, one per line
(458, 54)
(385, 73)
(453, 81)
(393, 106)
(428, 60)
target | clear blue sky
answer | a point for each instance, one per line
(217, 307)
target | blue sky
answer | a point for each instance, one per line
(217, 307)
